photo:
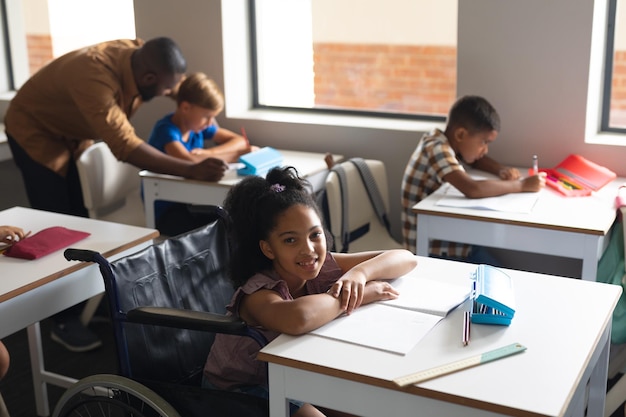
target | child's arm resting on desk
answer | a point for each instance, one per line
(490, 165)
(308, 312)
(472, 188)
(363, 267)
(229, 146)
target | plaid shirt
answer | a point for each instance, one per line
(432, 159)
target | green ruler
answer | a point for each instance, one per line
(470, 362)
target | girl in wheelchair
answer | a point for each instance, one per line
(286, 280)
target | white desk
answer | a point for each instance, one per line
(564, 323)
(31, 290)
(310, 165)
(574, 227)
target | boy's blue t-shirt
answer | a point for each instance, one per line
(164, 132)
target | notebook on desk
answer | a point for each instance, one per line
(397, 326)
(508, 203)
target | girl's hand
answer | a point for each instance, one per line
(349, 289)
(378, 291)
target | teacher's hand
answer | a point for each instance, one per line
(209, 169)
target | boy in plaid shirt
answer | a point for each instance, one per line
(472, 125)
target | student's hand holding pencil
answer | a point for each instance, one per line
(534, 182)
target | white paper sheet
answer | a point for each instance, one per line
(510, 203)
(428, 295)
(379, 326)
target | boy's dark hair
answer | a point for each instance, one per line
(473, 113)
(253, 206)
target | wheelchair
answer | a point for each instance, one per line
(166, 303)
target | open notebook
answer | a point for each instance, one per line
(398, 325)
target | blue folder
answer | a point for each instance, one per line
(259, 162)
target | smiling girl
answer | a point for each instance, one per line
(287, 280)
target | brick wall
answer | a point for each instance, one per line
(39, 51)
(385, 78)
(618, 90)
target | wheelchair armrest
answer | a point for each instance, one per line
(187, 319)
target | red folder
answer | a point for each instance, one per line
(45, 242)
(577, 176)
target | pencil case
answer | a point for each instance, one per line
(259, 162)
(577, 176)
(44, 242)
(493, 298)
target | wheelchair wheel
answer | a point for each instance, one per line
(111, 396)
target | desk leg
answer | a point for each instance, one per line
(37, 369)
(279, 405)
(150, 191)
(598, 379)
(423, 240)
(593, 252)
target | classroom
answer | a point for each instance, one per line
(539, 63)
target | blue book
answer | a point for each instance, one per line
(259, 162)
(493, 296)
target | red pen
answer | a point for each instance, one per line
(243, 133)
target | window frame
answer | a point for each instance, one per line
(608, 70)
(256, 104)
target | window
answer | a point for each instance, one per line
(614, 103)
(395, 59)
(32, 32)
(5, 78)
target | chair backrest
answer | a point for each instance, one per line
(189, 272)
(111, 189)
(365, 229)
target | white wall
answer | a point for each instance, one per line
(531, 60)
(395, 22)
(36, 17)
(78, 23)
(73, 24)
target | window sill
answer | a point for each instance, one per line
(285, 116)
(603, 138)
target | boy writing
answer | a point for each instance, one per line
(182, 134)
(473, 124)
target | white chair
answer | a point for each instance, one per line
(111, 192)
(111, 189)
(363, 224)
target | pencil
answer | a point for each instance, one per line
(466, 328)
(243, 133)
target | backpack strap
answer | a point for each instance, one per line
(372, 190)
(345, 233)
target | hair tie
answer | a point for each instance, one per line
(277, 188)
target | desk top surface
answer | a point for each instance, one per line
(307, 164)
(19, 275)
(559, 320)
(592, 214)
